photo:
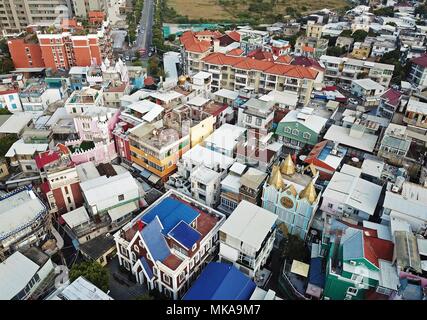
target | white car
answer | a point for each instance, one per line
(352, 101)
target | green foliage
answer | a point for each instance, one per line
(421, 10)
(335, 51)
(172, 37)
(145, 296)
(6, 65)
(359, 35)
(293, 248)
(346, 33)
(400, 71)
(6, 142)
(93, 272)
(386, 12)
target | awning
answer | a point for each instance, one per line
(300, 268)
(154, 179)
(120, 212)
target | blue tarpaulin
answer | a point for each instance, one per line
(221, 281)
(170, 212)
(185, 235)
(316, 275)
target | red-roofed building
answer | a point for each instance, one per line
(60, 181)
(390, 101)
(235, 52)
(418, 73)
(167, 246)
(263, 76)
(359, 264)
(25, 52)
(260, 54)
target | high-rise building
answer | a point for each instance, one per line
(16, 15)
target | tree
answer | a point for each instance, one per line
(359, 35)
(293, 248)
(5, 143)
(172, 37)
(93, 272)
(145, 296)
(335, 51)
(6, 65)
(346, 33)
(385, 12)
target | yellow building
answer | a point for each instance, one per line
(361, 51)
(314, 30)
(202, 130)
(158, 148)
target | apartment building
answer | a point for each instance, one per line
(256, 114)
(346, 70)
(82, 7)
(235, 73)
(247, 238)
(166, 247)
(157, 148)
(64, 50)
(369, 91)
(416, 116)
(193, 51)
(84, 99)
(16, 15)
(312, 47)
(60, 180)
(418, 73)
(25, 52)
(25, 221)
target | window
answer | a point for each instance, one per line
(181, 277)
(28, 167)
(352, 291)
(249, 119)
(306, 135)
(136, 248)
(258, 121)
(295, 132)
(69, 200)
(121, 197)
(330, 205)
(288, 130)
(166, 279)
(66, 189)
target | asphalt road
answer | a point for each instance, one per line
(145, 34)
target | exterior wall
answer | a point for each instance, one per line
(297, 139)
(102, 153)
(82, 52)
(25, 55)
(10, 100)
(201, 131)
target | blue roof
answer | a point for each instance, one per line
(170, 212)
(147, 268)
(185, 235)
(316, 275)
(353, 246)
(221, 281)
(155, 241)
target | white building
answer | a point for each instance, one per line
(21, 275)
(168, 245)
(79, 289)
(247, 238)
(224, 140)
(406, 203)
(10, 100)
(350, 196)
(369, 91)
(117, 195)
(205, 186)
(22, 220)
(22, 154)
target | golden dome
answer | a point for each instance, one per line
(309, 193)
(287, 167)
(276, 178)
(291, 190)
(182, 79)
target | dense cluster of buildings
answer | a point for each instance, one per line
(199, 185)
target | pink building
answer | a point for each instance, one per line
(96, 143)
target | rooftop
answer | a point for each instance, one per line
(16, 123)
(18, 209)
(249, 223)
(342, 135)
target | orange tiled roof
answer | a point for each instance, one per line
(215, 34)
(235, 52)
(307, 49)
(264, 66)
(284, 59)
(192, 44)
(234, 35)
